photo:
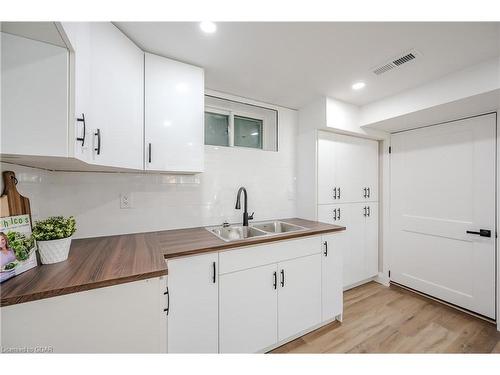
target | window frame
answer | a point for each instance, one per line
(250, 117)
(224, 112)
(230, 133)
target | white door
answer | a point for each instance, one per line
(299, 295)
(174, 115)
(442, 187)
(248, 311)
(192, 307)
(109, 92)
(34, 100)
(331, 275)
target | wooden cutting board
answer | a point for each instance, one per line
(11, 202)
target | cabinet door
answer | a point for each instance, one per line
(371, 240)
(370, 174)
(78, 35)
(331, 275)
(174, 115)
(340, 214)
(193, 310)
(124, 318)
(349, 168)
(109, 86)
(34, 100)
(299, 295)
(248, 320)
(355, 258)
(326, 168)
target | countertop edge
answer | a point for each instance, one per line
(80, 288)
(254, 241)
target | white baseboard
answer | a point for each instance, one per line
(381, 278)
(360, 283)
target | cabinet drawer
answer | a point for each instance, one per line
(248, 257)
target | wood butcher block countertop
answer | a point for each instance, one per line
(105, 261)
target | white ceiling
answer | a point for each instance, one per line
(291, 64)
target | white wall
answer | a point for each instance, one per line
(474, 80)
(167, 202)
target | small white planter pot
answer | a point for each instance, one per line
(54, 251)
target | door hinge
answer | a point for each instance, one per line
(390, 149)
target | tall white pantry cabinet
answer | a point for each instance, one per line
(339, 185)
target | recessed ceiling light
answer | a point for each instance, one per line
(208, 27)
(358, 85)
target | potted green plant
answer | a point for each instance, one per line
(53, 237)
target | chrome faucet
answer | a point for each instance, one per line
(246, 217)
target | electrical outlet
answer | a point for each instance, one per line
(126, 200)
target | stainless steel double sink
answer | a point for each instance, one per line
(238, 232)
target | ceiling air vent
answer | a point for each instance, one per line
(396, 62)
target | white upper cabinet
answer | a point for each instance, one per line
(347, 169)
(108, 95)
(174, 116)
(34, 87)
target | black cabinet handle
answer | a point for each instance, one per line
(368, 195)
(334, 193)
(325, 253)
(364, 192)
(482, 232)
(166, 309)
(338, 217)
(335, 214)
(98, 148)
(368, 211)
(82, 119)
(149, 153)
(338, 191)
(282, 278)
(214, 269)
(275, 278)
(364, 209)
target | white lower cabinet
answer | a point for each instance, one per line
(359, 242)
(248, 310)
(193, 304)
(291, 287)
(299, 295)
(125, 318)
(331, 275)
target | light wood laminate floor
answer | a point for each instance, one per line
(379, 319)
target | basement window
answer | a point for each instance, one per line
(230, 123)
